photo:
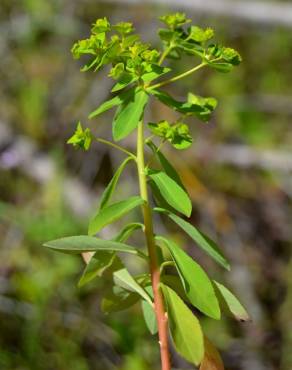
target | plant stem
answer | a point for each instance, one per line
(164, 54)
(103, 141)
(178, 77)
(161, 316)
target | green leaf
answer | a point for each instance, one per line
(166, 165)
(185, 328)
(117, 71)
(101, 260)
(197, 285)
(124, 28)
(98, 263)
(174, 282)
(127, 231)
(196, 105)
(101, 25)
(126, 281)
(83, 243)
(109, 190)
(173, 194)
(174, 20)
(81, 138)
(203, 241)
(177, 134)
(155, 72)
(125, 80)
(230, 303)
(159, 200)
(117, 100)
(221, 66)
(231, 56)
(149, 317)
(118, 299)
(199, 35)
(111, 213)
(129, 114)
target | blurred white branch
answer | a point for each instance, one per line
(242, 156)
(265, 12)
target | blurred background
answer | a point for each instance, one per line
(238, 173)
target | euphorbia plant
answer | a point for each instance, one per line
(175, 285)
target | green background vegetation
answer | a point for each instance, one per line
(238, 175)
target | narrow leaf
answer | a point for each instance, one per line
(149, 317)
(166, 165)
(199, 106)
(230, 304)
(117, 100)
(112, 213)
(127, 231)
(109, 190)
(185, 328)
(83, 243)
(125, 80)
(204, 242)
(174, 195)
(212, 359)
(128, 114)
(196, 282)
(98, 263)
(125, 280)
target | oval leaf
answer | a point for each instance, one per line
(173, 194)
(112, 213)
(109, 190)
(129, 114)
(185, 328)
(83, 243)
(212, 359)
(196, 282)
(203, 241)
(149, 317)
(230, 303)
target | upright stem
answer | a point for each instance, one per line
(160, 313)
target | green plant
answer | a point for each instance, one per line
(167, 298)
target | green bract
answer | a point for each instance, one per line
(139, 74)
(174, 20)
(81, 138)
